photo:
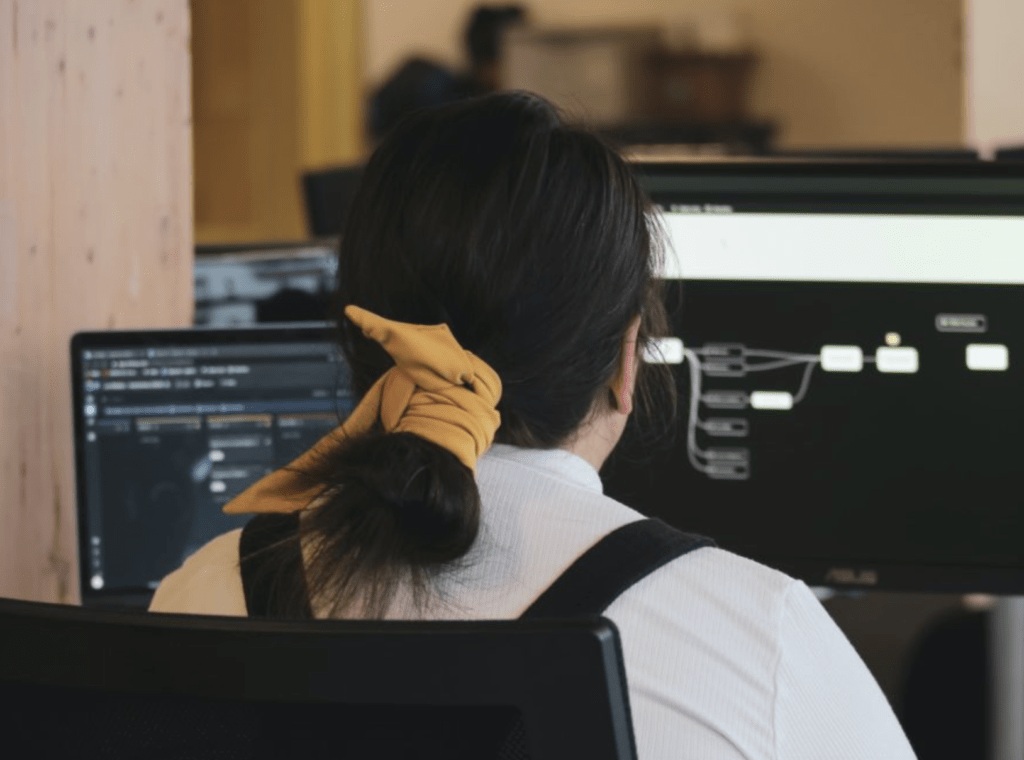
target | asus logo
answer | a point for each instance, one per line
(850, 577)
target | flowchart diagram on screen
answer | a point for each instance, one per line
(723, 416)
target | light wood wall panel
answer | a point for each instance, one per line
(95, 232)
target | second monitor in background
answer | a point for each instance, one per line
(241, 285)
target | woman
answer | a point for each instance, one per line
(524, 246)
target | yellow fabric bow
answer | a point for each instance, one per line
(436, 390)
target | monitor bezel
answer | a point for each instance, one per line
(264, 248)
(654, 174)
(133, 598)
(853, 574)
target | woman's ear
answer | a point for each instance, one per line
(624, 382)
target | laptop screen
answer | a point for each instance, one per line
(170, 425)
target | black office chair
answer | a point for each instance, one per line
(328, 195)
(946, 703)
(78, 683)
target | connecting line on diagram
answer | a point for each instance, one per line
(737, 361)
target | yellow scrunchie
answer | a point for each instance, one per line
(436, 390)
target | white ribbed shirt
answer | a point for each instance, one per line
(725, 658)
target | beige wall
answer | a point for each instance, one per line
(994, 72)
(95, 232)
(834, 72)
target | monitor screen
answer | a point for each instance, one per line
(848, 352)
(170, 425)
(238, 286)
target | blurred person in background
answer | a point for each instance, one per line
(484, 32)
(422, 83)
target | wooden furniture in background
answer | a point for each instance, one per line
(278, 89)
(95, 232)
(700, 87)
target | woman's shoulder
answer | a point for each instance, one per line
(729, 608)
(734, 574)
(207, 583)
(721, 591)
(709, 633)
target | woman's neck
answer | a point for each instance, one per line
(596, 440)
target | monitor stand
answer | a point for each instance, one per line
(1007, 667)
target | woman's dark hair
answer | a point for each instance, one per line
(532, 240)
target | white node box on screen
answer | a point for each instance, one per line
(842, 358)
(664, 351)
(897, 359)
(771, 400)
(988, 357)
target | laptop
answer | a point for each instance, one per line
(169, 425)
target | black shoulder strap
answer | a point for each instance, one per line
(612, 565)
(588, 587)
(262, 569)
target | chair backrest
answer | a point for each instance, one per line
(86, 683)
(1010, 153)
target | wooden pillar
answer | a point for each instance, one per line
(277, 90)
(331, 95)
(95, 232)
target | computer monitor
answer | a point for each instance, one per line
(246, 284)
(848, 350)
(171, 424)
